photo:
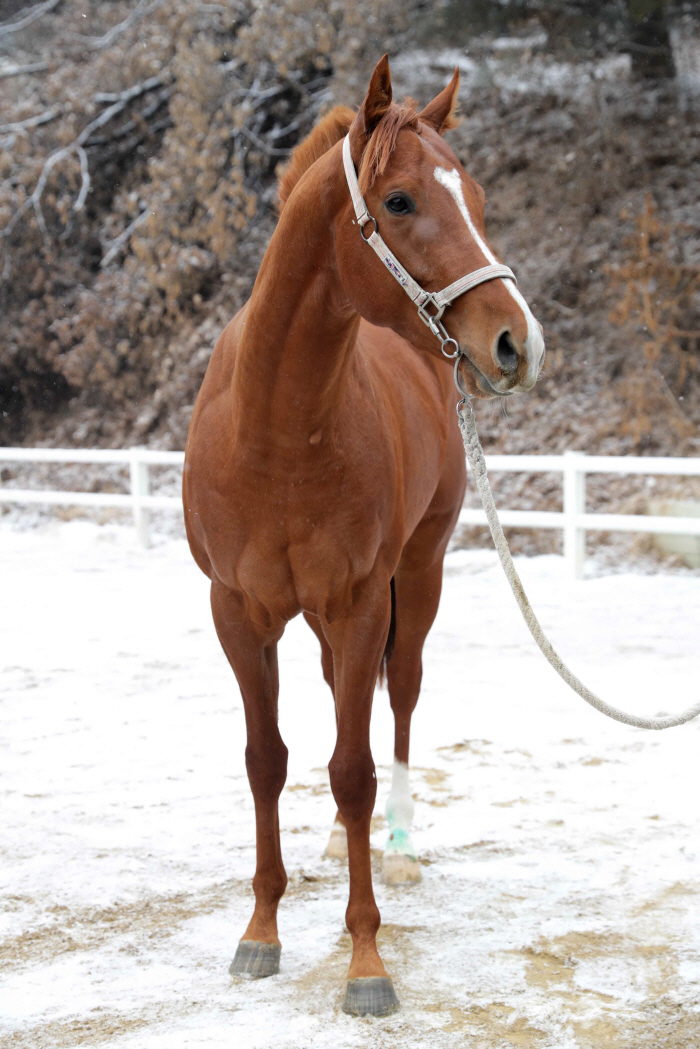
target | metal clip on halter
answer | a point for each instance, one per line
(436, 326)
(431, 319)
(370, 218)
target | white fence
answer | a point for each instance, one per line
(573, 519)
(139, 500)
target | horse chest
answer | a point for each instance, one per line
(293, 547)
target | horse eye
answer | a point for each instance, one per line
(398, 204)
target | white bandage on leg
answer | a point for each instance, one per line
(400, 864)
(399, 812)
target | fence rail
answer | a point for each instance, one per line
(138, 500)
(572, 519)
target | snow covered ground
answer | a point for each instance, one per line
(559, 903)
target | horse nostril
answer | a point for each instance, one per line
(506, 354)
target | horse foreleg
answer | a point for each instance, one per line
(417, 599)
(253, 658)
(337, 847)
(357, 643)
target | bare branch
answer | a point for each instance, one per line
(643, 49)
(261, 97)
(34, 201)
(119, 104)
(160, 100)
(106, 96)
(670, 398)
(76, 146)
(22, 125)
(566, 310)
(40, 219)
(261, 144)
(121, 241)
(96, 43)
(130, 144)
(131, 92)
(85, 184)
(32, 67)
(314, 85)
(283, 131)
(31, 16)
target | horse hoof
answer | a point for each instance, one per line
(256, 959)
(337, 848)
(398, 869)
(371, 996)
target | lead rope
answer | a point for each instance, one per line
(472, 446)
(475, 455)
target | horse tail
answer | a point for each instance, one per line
(391, 636)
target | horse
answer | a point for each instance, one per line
(324, 471)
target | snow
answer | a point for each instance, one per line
(559, 901)
(508, 73)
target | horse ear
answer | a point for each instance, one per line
(378, 97)
(440, 113)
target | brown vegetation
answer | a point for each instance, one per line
(658, 309)
(179, 114)
(137, 195)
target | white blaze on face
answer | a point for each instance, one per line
(535, 343)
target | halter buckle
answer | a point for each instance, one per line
(433, 319)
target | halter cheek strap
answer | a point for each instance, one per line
(431, 305)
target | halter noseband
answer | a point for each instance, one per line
(437, 300)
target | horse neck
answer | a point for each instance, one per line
(299, 330)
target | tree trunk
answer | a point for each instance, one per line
(649, 41)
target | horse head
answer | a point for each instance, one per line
(430, 213)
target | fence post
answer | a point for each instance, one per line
(574, 503)
(139, 488)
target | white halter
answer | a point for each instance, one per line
(423, 299)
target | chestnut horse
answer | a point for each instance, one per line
(324, 470)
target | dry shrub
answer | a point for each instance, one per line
(112, 310)
(661, 302)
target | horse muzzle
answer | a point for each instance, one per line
(519, 363)
(487, 388)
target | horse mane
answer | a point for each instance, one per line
(334, 126)
(328, 131)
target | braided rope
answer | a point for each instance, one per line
(475, 455)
